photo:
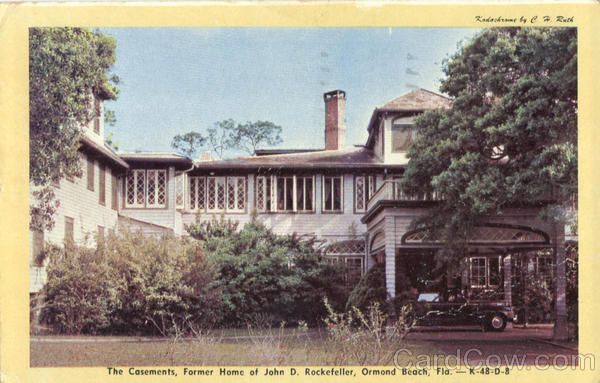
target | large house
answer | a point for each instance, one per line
(345, 196)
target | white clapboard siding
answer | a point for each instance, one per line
(83, 205)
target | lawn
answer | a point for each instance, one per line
(228, 348)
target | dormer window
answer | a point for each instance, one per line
(403, 133)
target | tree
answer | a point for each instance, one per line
(510, 135)
(67, 66)
(188, 143)
(251, 135)
(228, 135)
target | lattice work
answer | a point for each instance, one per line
(420, 236)
(241, 193)
(161, 191)
(360, 193)
(179, 193)
(193, 194)
(151, 187)
(212, 195)
(485, 234)
(201, 186)
(140, 177)
(502, 234)
(221, 193)
(260, 194)
(130, 188)
(346, 247)
(230, 193)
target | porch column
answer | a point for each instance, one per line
(390, 256)
(560, 321)
(507, 281)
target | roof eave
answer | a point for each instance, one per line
(113, 157)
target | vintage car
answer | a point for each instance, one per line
(431, 310)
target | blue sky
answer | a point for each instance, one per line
(174, 80)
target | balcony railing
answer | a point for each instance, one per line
(392, 191)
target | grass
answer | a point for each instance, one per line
(273, 350)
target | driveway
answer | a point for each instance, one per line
(515, 346)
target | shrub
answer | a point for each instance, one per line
(80, 293)
(280, 278)
(131, 284)
(369, 289)
(365, 337)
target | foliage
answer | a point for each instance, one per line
(369, 289)
(43, 207)
(251, 135)
(229, 135)
(533, 299)
(259, 272)
(80, 295)
(109, 141)
(363, 337)
(110, 118)
(66, 67)
(572, 279)
(188, 143)
(131, 284)
(510, 135)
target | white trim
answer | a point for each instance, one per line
(323, 199)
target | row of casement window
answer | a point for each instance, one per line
(148, 188)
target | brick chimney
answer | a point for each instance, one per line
(335, 124)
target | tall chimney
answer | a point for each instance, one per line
(335, 124)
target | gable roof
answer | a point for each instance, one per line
(416, 101)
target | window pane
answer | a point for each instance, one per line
(478, 271)
(221, 193)
(494, 270)
(360, 193)
(268, 191)
(179, 189)
(280, 193)
(401, 137)
(300, 194)
(201, 190)
(151, 187)
(241, 193)
(193, 195)
(308, 191)
(140, 179)
(260, 194)
(337, 194)
(230, 193)
(212, 195)
(130, 188)
(328, 194)
(161, 193)
(289, 194)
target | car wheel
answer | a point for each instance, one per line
(496, 322)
